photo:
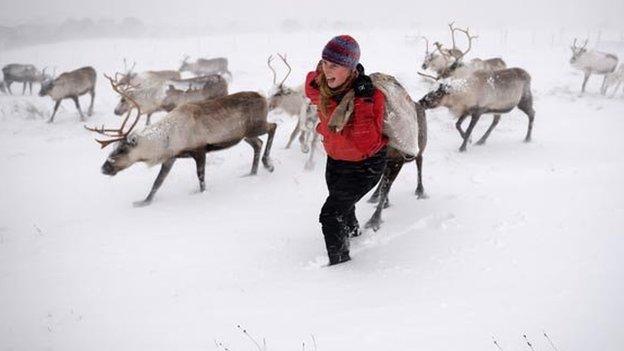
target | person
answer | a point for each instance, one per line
(351, 114)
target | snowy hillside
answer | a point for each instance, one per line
(514, 239)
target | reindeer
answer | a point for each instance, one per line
(132, 78)
(147, 89)
(616, 78)
(496, 92)
(2, 87)
(201, 82)
(294, 103)
(592, 62)
(71, 85)
(201, 67)
(175, 97)
(440, 58)
(189, 130)
(399, 102)
(26, 74)
(450, 61)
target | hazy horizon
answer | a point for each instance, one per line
(478, 13)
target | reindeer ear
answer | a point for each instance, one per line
(133, 140)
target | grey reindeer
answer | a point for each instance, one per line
(71, 85)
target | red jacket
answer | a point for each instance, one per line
(362, 136)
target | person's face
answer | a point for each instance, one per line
(335, 74)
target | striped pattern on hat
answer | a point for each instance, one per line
(342, 50)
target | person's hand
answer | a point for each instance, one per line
(362, 84)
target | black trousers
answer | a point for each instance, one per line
(347, 183)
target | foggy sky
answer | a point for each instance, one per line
(580, 14)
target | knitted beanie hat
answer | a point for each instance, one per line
(342, 50)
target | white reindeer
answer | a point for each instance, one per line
(294, 103)
(616, 78)
(592, 62)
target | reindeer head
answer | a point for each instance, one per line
(444, 61)
(435, 98)
(123, 156)
(123, 106)
(281, 93)
(577, 51)
(171, 98)
(46, 86)
(128, 75)
(125, 153)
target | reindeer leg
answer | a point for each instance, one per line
(526, 106)
(375, 197)
(490, 129)
(77, 103)
(585, 81)
(92, 93)
(256, 144)
(266, 159)
(393, 167)
(293, 135)
(24, 88)
(164, 171)
(473, 121)
(458, 124)
(148, 120)
(8, 86)
(309, 165)
(200, 160)
(56, 106)
(303, 141)
(603, 87)
(420, 189)
(617, 87)
(30, 88)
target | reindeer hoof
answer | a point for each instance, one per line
(420, 195)
(462, 149)
(373, 199)
(49, 121)
(480, 142)
(142, 203)
(309, 166)
(373, 224)
(527, 140)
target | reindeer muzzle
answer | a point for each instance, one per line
(108, 169)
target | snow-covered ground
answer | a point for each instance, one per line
(515, 238)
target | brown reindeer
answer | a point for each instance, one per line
(190, 130)
(175, 97)
(71, 85)
(495, 92)
(402, 114)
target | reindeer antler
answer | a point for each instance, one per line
(428, 76)
(118, 134)
(426, 43)
(465, 31)
(126, 66)
(271, 68)
(283, 57)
